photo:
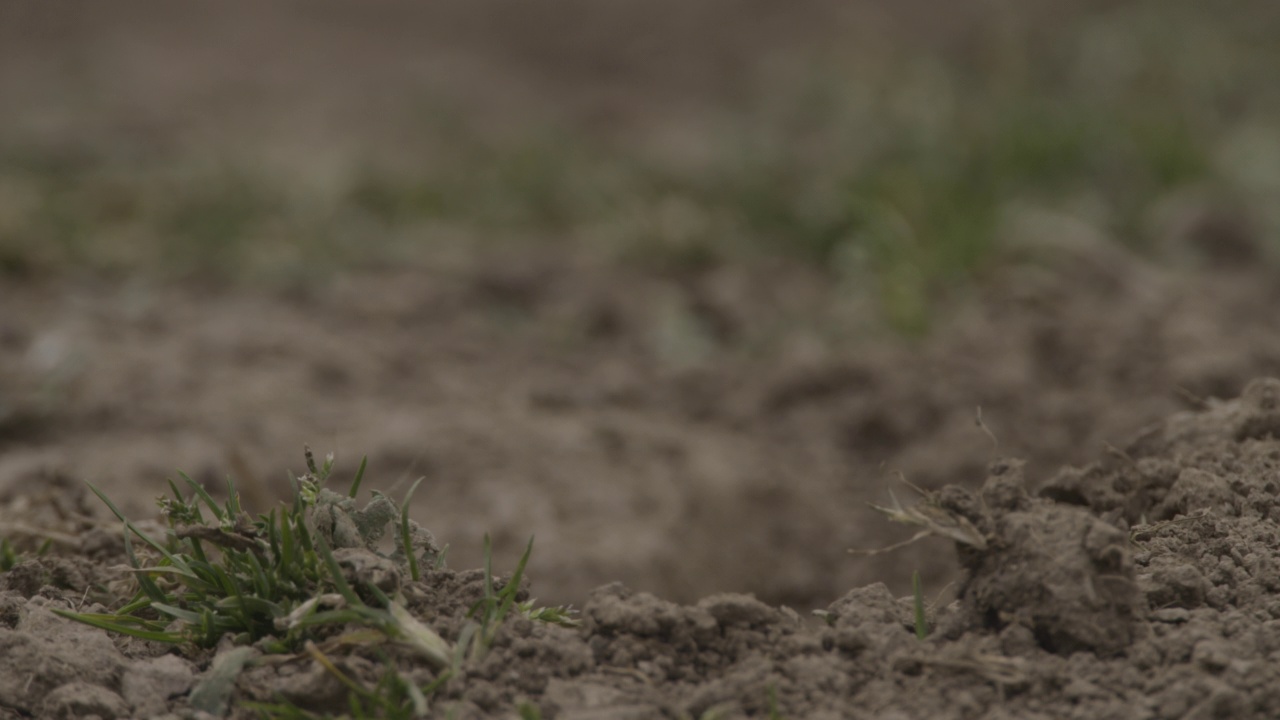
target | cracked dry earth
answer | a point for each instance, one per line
(1144, 585)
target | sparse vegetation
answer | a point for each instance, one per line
(297, 576)
(640, 318)
(896, 170)
(271, 577)
(11, 555)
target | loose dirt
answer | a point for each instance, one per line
(693, 448)
(595, 407)
(1142, 585)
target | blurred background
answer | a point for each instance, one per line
(676, 288)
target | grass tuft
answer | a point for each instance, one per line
(489, 612)
(274, 577)
(279, 581)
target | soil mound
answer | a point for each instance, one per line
(1141, 586)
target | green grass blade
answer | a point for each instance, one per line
(774, 712)
(922, 625)
(251, 604)
(107, 501)
(416, 697)
(264, 584)
(193, 618)
(337, 617)
(103, 623)
(224, 581)
(139, 602)
(383, 600)
(145, 583)
(512, 588)
(301, 534)
(355, 484)
(405, 538)
(288, 550)
(426, 641)
(157, 546)
(233, 499)
(335, 573)
(204, 496)
(431, 687)
(193, 579)
(197, 550)
(488, 569)
(467, 646)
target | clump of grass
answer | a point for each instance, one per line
(490, 610)
(285, 582)
(274, 578)
(393, 697)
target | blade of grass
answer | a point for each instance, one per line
(467, 642)
(159, 547)
(488, 569)
(252, 604)
(512, 588)
(335, 573)
(418, 698)
(333, 669)
(264, 584)
(405, 538)
(344, 616)
(110, 623)
(355, 484)
(426, 641)
(431, 687)
(193, 618)
(204, 496)
(233, 499)
(922, 625)
(288, 551)
(145, 583)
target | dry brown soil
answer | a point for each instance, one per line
(673, 440)
(557, 403)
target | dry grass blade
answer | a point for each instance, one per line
(934, 519)
(993, 668)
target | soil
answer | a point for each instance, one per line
(693, 449)
(593, 406)
(1142, 585)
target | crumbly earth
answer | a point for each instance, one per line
(686, 430)
(590, 406)
(1143, 585)
(674, 437)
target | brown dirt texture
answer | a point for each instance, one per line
(1142, 585)
(1092, 436)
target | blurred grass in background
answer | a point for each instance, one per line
(891, 167)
